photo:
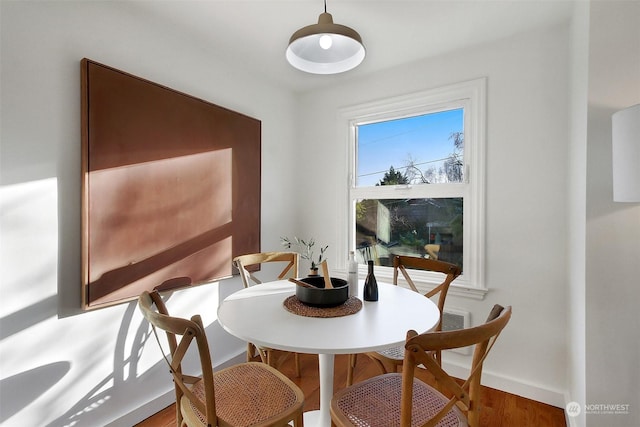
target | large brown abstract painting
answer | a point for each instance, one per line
(170, 187)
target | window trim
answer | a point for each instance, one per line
(472, 96)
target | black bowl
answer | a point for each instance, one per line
(318, 296)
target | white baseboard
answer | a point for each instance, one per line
(144, 412)
(511, 385)
(164, 400)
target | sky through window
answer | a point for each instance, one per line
(424, 139)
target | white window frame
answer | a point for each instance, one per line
(471, 96)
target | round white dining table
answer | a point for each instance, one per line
(257, 314)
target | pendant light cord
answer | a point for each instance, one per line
(325, 6)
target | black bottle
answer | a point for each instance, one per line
(370, 285)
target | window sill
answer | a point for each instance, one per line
(458, 290)
(468, 292)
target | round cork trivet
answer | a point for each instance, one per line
(295, 306)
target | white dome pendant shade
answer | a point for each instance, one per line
(325, 47)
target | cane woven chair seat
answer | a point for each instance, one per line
(374, 403)
(396, 353)
(232, 397)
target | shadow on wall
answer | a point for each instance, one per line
(30, 316)
(112, 392)
(16, 396)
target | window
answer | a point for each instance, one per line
(416, 182)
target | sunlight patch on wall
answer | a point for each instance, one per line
(29, 250)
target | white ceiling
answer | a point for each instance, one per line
(256, 33)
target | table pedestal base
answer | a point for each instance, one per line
(322, 417)
(312, 418)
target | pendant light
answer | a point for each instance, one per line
(325, 47)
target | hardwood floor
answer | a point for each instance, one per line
(500, 409)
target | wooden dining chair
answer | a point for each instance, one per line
(404, 400)
(250, 393)
(390, 360)
(246, 265)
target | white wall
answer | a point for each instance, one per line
(576, 212)
(613, 229)
(527, 148)
(61, 366)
